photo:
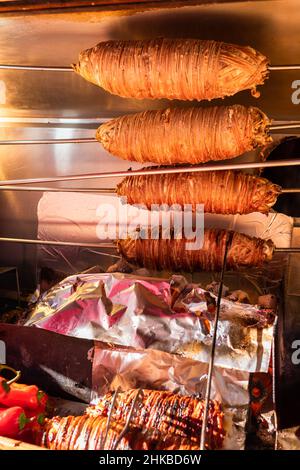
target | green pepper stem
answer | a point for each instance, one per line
(16, 372)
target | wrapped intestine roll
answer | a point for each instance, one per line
(184, 69)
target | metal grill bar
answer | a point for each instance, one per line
(92, 190)
(62, 190)
(82, 140)
(110, 244)
(157, 171)
(283, 127)
(58, 68)
(213, 348)
(274, 68)
(37, 68)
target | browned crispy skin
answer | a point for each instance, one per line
(221, 192)
(168, 413)
(162, 421)
(184, 69)
(87, 433)
(185, 135)
(171, 254)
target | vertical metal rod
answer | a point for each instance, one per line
(112, 406)
(130, 415)
(213, 348)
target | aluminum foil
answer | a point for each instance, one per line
(170, 316)
(129, 368)
(289, 439)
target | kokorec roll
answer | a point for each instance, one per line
(184, 69)
(185, 135)
(221, 192)
(172, 254)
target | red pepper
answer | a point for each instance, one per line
(4, 383)
(12, 421)
(26, 396)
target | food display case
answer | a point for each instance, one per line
(150, 208)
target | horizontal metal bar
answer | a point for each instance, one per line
(157, 171)
(100, 244)
(91, 190)
(58, 190)
(82, 140)
(97, 121)
(288, 250)
(88, 140)
(110, 244)
(290, 190)
(283, 127)
(284, 67)
(58, 68)
(37, 68)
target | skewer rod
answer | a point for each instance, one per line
(91, 190)
(288, 250)
(54, 120)
(82, 140)
(59, 190)
(88, 140)
(157, 171)
(213, 349)
(278, 127)
(87, 121)
(110, 244)
(284, 67)
(37, 68)
(287, 190)
(57, 68)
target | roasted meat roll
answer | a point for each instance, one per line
(221, 192)
(169, 413)
(185, 135)
(172, 254)
(184, 69)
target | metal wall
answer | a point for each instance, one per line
(56, 39)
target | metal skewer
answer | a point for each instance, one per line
(29, 241)
(55, 190)
(110, 244)
(89, 121)
(92, 190)
(90, 140)
(58, 68)
(129, 417)
(213, 348)
(157, 171)
(109, 417)
(284, 67)
(37, 68)
(279, 127)
(82, 140)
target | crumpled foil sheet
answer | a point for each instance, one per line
(289, 439)
(170, 316)
(129, 368)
